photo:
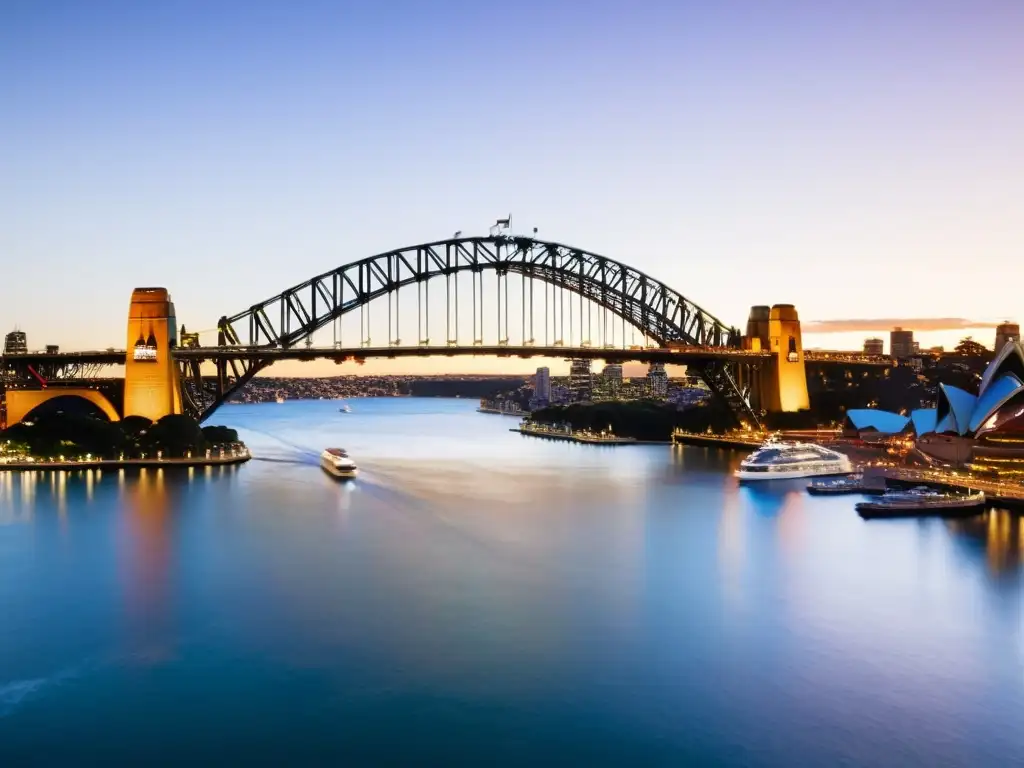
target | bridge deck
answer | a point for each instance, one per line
(681, 355)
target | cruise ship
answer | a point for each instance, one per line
(337, 462)
(777, 460)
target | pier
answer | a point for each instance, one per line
(565, 433)
(999, 493)
(211, 459)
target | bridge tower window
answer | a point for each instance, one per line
(145, 350)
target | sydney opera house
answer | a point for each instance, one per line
(983, 431)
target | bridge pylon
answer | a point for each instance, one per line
(152, 387)
(780, 386)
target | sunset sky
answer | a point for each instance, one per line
(859, 160)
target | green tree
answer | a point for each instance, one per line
(218, 435)
(174, 434)
(968, 347)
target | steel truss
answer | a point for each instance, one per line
(660, 313)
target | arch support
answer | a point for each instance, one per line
(659, 312)
(21, 402)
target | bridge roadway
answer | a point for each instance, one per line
(680, 355)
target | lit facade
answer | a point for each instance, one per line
(1006, 333)
(657, 380)
(781, 385)
(16, 343)
(542, 385)
(874, 347)
(152, 387)
(581, 382)
(901, 343)
(983, 431)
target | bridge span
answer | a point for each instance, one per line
(502, 296)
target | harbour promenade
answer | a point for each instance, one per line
(997, 492)
(210, 459)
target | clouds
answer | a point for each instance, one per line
(888, 323)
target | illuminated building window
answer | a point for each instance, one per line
(145, 350)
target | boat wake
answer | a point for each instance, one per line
(15, 692)
(298, 462)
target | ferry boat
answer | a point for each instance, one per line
(778, 460)
(337, 462)
(922, 501)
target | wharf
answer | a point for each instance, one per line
(238, 457)
(575, 437)
(998, 493)
(752, 443)
(499, 412)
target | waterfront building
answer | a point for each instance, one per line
(542, 386)
(1006, 333)
(16, 343)
(657, 380)
(901, 343)
(984, 431)
(874, 347)
(581, 382)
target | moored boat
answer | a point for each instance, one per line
(922, 501)
(779, 460)
(337, 462)
(842, 485)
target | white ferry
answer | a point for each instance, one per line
(777, 460)
(337, 462)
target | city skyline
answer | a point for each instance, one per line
(857, 163)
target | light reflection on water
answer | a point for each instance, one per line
(477, 588)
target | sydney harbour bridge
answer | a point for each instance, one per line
(497, 295)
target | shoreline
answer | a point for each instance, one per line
(714, 441)
(183, 463)
(575, 438)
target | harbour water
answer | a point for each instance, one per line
(481, 597)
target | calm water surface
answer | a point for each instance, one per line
(484, 597)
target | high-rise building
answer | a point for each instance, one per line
(542, 385)
(657, 380)
(611, 377)
(580, 379)
(1006, 333)
(874, 347)
(16, 343)
(901, 343)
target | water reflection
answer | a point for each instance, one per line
(635, 596)
(145, 556)
(1000, 533)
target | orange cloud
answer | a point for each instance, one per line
(888, 323)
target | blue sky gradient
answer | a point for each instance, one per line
(856, 159)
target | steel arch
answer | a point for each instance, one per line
(650, 305)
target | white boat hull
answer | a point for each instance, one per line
(840, 468)
(343, 472)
